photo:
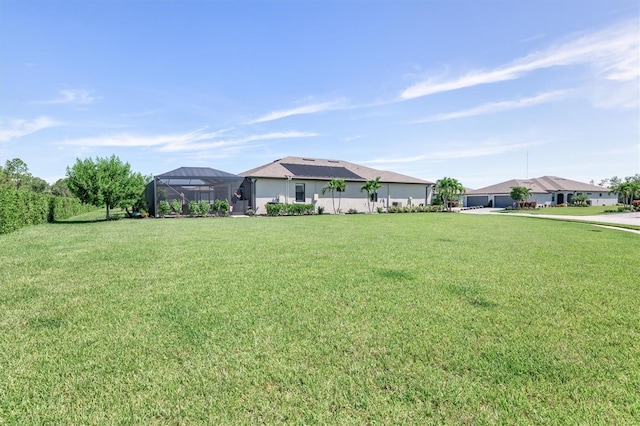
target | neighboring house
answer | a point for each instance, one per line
(545, 190)
(300, 180)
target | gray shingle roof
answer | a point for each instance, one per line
(541, 185)
(282, 168)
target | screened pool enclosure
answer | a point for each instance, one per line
(188, 184)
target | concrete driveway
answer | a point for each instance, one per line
(613, 218)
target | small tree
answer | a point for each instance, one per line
(163, 207)
(105, 182)
(520, 194)
(335, 185)
(371, 187)
(580, 200)
(450, 190)
(176, 206)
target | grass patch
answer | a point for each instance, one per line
(355, 319)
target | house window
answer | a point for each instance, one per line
(300, 198)
(374, 197)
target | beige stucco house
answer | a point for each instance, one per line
(545, 190)
(301, 180)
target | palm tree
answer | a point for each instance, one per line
(335, 185)
(626, 190)
(449, 189)
(520, 194)
(371, 187)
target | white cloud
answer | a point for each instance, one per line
(305, 109)
(70, 97)
(12, 129)
(470, 151)
(493, 107)
(198, 139)
(614, 53)
(239, 141)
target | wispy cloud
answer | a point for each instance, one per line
(237, 141)
(494, 107)
(305, 109)
(470, 151)
(352, 138)
(82, 97)
(12, 129)
(132, 140)
(198, 139)
(612, 52)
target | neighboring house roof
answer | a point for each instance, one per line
(196, 176)
(541, 185)
(321, 169)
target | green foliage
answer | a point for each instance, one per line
(204, 208)
(352, 211)
(61, 188)
(449, 189)
(176, 206)
(105, 182)
(251, 212)
(194, 208)
(580, 200)
(164, 208)
(371, 187)
(379, 209)
(221, 207)
(320, 210)
(520, 194)
(627, 190)
(335, 185)
(65, 207)
(281, 209)
(20, 207)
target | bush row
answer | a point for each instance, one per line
(277, 209)
(22, 207)
(415, 209)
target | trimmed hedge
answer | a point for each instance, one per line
(22, 207)
(277, 209)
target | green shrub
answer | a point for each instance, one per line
(194, 208)
(279, 209)
(352, 211)
(204, 207)
(164, 208)
(320, 210)
(176, 206)
(379, 209)
(221, 207)
(250, 212)
(61, 208)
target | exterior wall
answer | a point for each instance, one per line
(597, 198)
(281, 190)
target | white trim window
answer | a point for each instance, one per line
(300, 193)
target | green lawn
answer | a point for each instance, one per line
(354, 319)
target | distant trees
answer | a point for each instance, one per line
(627, 190)
(449, 189)
(520, 194)
(371, 187)
(335, 185)
(105, 182)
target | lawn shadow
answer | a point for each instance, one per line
(471, 295)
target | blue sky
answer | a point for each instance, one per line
(483, 91)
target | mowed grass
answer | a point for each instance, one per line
(355, 319)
